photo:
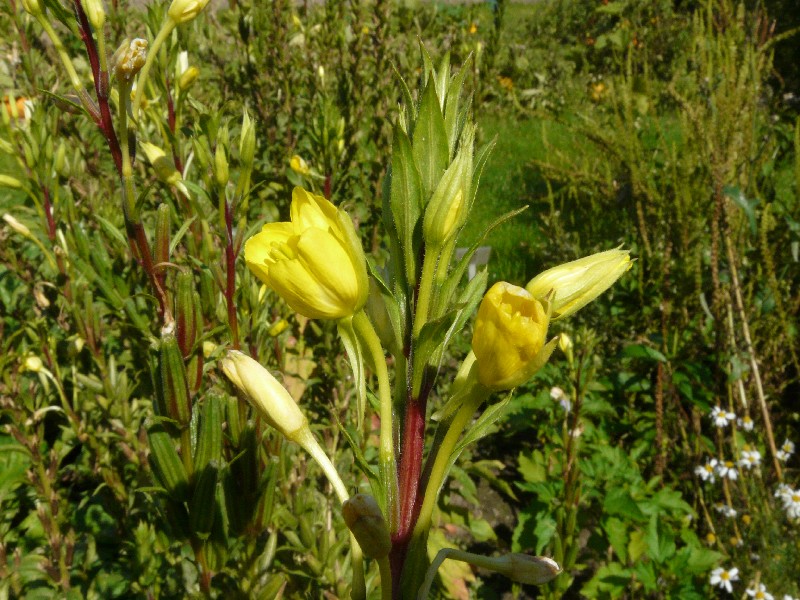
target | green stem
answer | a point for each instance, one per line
(166, 29)
(62, 52)
(386, 578)
(425, 293)
(441, 465)
(306, 440)
(388, 464)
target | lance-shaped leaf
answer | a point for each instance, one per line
(429, 144)
(406, 199)
(355, 355)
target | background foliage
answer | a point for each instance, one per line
(670, 127)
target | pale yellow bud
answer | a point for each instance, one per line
(577, 283)
(33, 364)
(298, 165)
(188, 77)
(163, 166)
(183, 11)
(247, 140)
(208, 349)
(278, 328)
(531, 570)
(10, 182)
(364, 518)
(17, 226)
(265, 394)
(95, 12)
(33, 7)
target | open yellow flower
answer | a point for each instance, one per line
(577, 283)
(509, 337)
(314, 262)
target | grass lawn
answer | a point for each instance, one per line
(510, 181)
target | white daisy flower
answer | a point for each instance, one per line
(759, 592)
(706, 472)
(750, 458)
(787, 449)
(745, 423)
(783, 492)
(725, 510)
(788, 597)
(727, 469)
(560, 396)
(792, 504)
(722, 578)
(721, 417)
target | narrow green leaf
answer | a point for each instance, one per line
(406, 198)
(429, 144)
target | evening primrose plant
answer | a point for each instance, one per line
(405, 313)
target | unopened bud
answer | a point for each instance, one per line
(33, 7)
(129, 58)
(565, 344)
(33, 364)
(183, 11)
(174, 388)
(60, 162)
(161, 246)
(299, 165)
(208, 349)
(95, 12)
(10, 182)
(531, 570)
(364, 518)
(247, 140)
(448, 207)
(221, 165)
(278, 328)
(577, 283)
(188, 77)
(163, 166)
(265, 394)
(17, 226)
(185, 313)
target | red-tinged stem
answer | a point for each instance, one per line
(100, 85)
(409, 476)
(230, 288)
(172, 123)
(326, 190)
(48, 214)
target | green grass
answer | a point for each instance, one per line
(510, 181)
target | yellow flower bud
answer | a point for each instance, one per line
(509, 337)
(17, 226)
(278, 328)
(247, 140)
(314, 262)
(577, 283)
(129, 58)
(33, 7)
(95, 12)
(163, 166)
(299, 166)
(265, 394)
(10, 182)
(188, 77)
(182, 11)
(364, 518)
(33, 364)
(208, 348)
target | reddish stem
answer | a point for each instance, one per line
(230, 288)
(100, 86)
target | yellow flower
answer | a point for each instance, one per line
(298, 165)
(264, 392)
(315, 262)
(509, 337)
(577, 283)
(473, 28)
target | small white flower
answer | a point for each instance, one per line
(727, 469)
(560, 396)
(791, 502)
(726, 510)
(750, 458)
(706, 471)
(787, 449)
(722, 578)
(721, 417)
(759, 592)
(745, 423)
(788, 597)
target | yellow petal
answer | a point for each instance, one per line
(258, 248)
